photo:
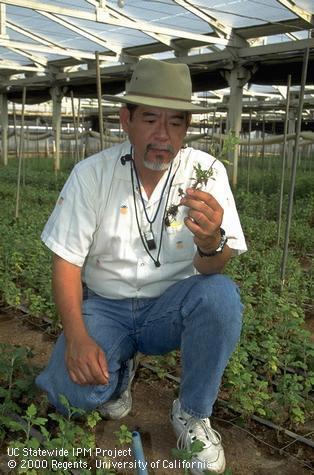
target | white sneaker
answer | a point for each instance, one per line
(188, 429)
(118, 408)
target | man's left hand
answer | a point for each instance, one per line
(204, 218)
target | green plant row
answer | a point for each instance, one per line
(25, 263)
(38, 440)
(270, 374)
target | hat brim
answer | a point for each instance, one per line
(162, 103)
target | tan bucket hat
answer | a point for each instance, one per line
(160, 84)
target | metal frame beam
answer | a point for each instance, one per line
(41, 60)
(43, 48)
(102, 16)
(206, 59)
(37, 60)
(167, 39)
(20, 68)
(89, 35)
(3, 33)
(271, 49)
(123, 17)
(220, 29)
(298, 11)
(277, 28)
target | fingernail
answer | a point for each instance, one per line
(190, 191)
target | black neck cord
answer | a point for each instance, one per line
(156, 261)
(150, 221)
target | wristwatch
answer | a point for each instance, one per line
(223, 242)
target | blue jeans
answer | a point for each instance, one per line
(200, 315)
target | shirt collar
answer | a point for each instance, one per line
(122, 172)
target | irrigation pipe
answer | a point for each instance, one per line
(289, 433)
(138, 453)
(282, 450)
(306, 136)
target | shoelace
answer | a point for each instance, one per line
(202, 431)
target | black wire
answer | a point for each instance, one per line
(151, 221)
(156, 261)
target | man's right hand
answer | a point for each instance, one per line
(86, 361)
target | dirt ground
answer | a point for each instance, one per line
(152, 401)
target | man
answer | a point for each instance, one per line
(149, 245)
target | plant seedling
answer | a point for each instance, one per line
(187, 454)
(201, 178)
(123, 435)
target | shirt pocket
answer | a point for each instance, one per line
(178, 244)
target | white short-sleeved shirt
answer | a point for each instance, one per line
(94, 223)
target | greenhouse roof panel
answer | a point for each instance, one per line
(206, 34)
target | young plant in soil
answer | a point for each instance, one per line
(187, 454)
(124, 435)
(55, 433)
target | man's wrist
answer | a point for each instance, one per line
(211, 246)
(218, 249)
(75, 332)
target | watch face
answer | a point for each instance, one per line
(222, 243)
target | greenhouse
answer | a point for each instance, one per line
(156, 162)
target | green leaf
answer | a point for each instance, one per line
(31, 411)
(196, 446)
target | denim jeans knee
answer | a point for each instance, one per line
(212, 313)
(112, 335)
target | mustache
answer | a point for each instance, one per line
(155, 146)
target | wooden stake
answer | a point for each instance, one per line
(20, 154)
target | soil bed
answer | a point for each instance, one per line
(152, 399)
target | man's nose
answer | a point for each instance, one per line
(162, 130)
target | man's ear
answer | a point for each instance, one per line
(125, 118)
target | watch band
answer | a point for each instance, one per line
(223, 242)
